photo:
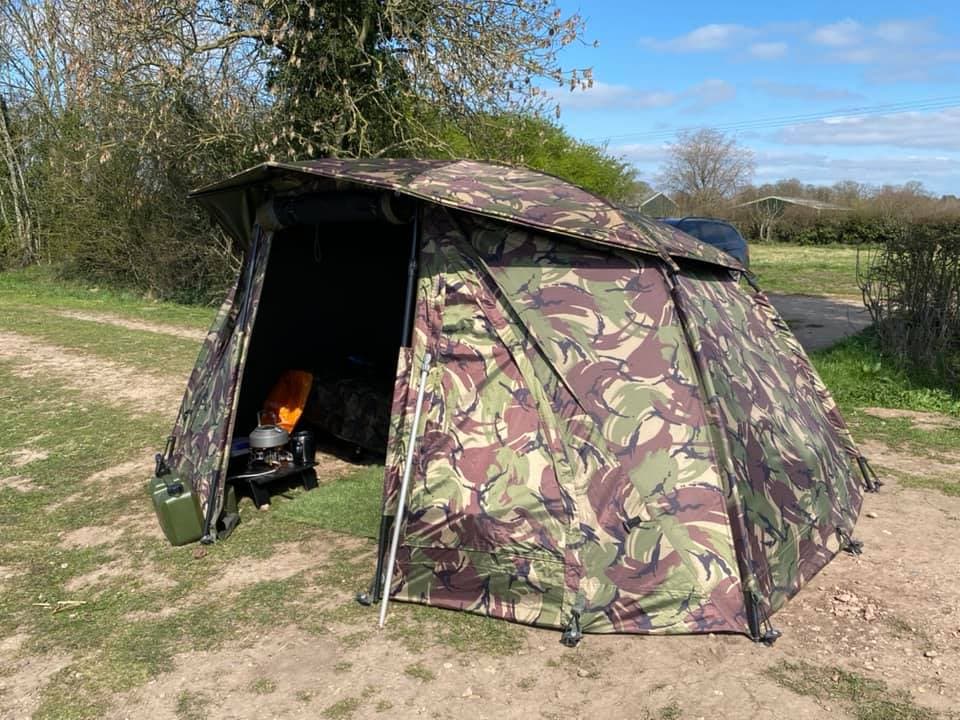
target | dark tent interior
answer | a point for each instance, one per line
(333, 304)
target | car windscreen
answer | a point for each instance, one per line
(720, 235)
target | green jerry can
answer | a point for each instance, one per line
(177, 508)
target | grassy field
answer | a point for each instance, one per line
(808, 270)
(76, 527)
(38, 288)
(871, 389)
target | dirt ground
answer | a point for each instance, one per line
(126, 387)
(110, 319)
(892, 614)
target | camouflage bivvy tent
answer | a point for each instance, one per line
(618, 435)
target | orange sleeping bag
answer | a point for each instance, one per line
(287, 398)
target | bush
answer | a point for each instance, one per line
(911, 286)
(848, 228)
(116, 228)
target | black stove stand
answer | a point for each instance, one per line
(259, 480)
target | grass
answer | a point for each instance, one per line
(263, 686)
(351, 505)
(418, 627)
(669, 712)
(858, 374)
(192, 706)
(807, 270)
(342, 709)
(860, 377)
(40, 288)
(79, 438)
(947, 487)
(144, 350)
(418, 672)
(866, 699)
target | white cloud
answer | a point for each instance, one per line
(891, 51)
(717, 36)
(804, 91)
(768, 50)
(938, 130)
(905, 32)
(642, 153)
(933, 170)
(859, 56)
(606, 96)
(913, 65)
(839, 34)
(709, 93)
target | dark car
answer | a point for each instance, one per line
(719, 233)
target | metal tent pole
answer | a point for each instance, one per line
(376, 586)
(404, 485)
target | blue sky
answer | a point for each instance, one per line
(778, 75)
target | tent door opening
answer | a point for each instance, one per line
(336, 303)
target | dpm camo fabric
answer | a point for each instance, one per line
(607, 435)
(790, 452)
(565, 464)
(515, 194)
(204, 427)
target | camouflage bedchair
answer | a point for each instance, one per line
(352, 409)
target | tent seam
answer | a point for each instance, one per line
(711, 407)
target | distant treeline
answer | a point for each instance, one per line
(861, 214)
(909, 265)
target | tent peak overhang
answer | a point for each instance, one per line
(512, 194)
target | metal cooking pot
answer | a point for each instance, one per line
(268, 437)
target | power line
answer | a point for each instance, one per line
(940, 103)
(891, 108)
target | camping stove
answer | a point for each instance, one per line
(268, 446)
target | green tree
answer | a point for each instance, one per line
(389, 77)
(540, 144)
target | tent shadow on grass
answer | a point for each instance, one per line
(350, 504)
